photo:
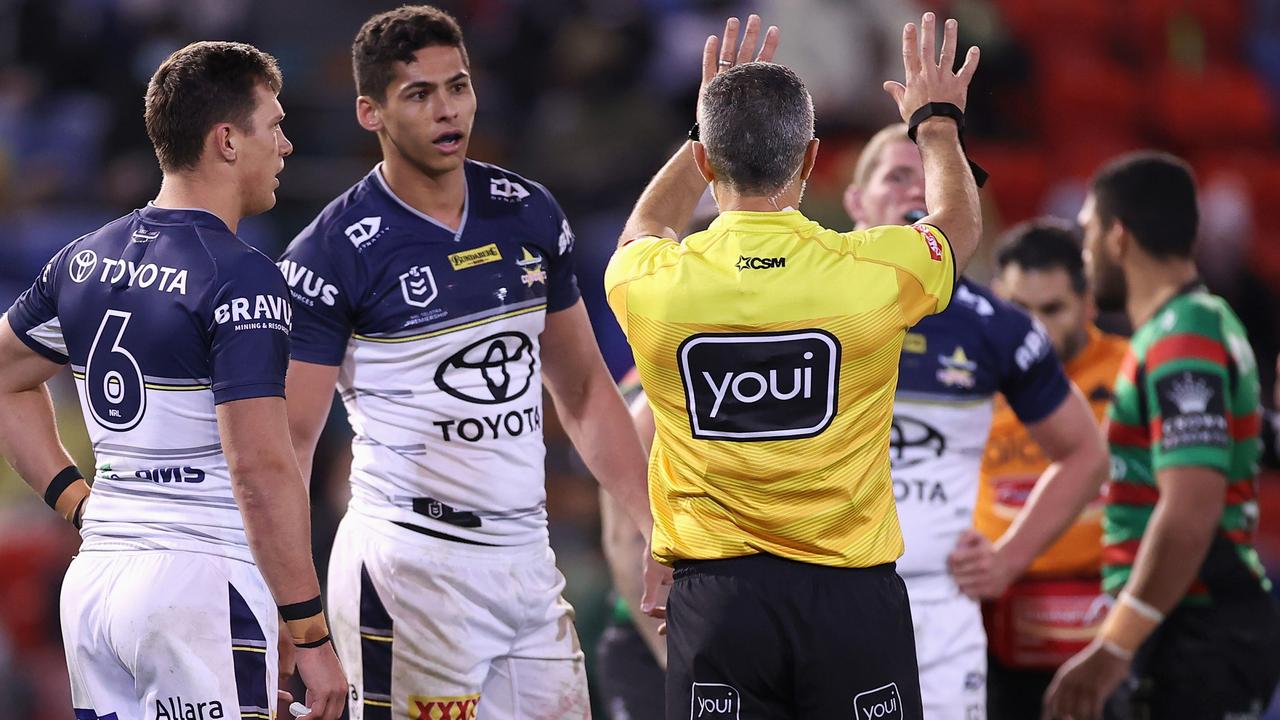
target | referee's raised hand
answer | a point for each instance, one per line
(929, 80)
(718, 54)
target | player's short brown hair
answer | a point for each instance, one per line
(394, 36)
(871, 152)
(199, 86)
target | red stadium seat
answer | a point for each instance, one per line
(33, 557)
(1223, 107)
(1173, 30)
(1085, 94)
(1019, 178)
(1045, 26)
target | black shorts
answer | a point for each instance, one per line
(1206, 662)
(630, 682)
(1015, 693)
(763, 638)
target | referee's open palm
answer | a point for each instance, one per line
(929, 80)
(718, 54)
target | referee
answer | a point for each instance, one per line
(768, 347)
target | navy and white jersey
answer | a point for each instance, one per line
(951, 367)
(162, 314)
(436, 332)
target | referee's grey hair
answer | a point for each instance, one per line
(757, 120)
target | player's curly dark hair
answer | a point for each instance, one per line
(199, 86)
(394, 36)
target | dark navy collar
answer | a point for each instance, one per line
(181, 216)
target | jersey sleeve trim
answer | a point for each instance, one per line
(246, 391)
(646, 236)
(949, 256)
(28, 335)
(1061, 387)
(553, 310)
(315, 357)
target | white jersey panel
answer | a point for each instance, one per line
(472, 462)
(435, 331)
(161, 315)
(936, 452)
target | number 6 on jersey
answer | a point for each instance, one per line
(113, 384)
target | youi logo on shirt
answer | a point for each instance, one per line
(714, 701)
(883, 703)
(760, 386)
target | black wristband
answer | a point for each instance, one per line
(948, 110)
(315, 643)
(301, 610)
(60, 483)
(928, 110)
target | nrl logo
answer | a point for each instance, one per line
(418, 286)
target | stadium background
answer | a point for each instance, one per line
(587, 96)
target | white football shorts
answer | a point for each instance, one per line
(951, 649)
(168, 635)
(434, 629)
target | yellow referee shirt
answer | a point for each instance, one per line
(768, 346)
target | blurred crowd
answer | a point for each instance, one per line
(587, 96)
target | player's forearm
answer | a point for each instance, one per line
(1059, 496)
(277, 522)
(623, 549)
(1173, 548)
(597, 422)
(667, 204)
(308, 395)
(29, 437)
(304, 440)
(950, 191)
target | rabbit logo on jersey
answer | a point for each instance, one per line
(760, 386)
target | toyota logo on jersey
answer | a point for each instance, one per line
(82, 265)
(494, 370)
(913, 441)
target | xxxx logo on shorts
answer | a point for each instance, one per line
(462, 707)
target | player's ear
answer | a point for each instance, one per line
(998, 287)
(810, 159)
(852, 201)
(700, 159)
(1090, 307)
(222, 139)
(369, 113)
(1118, 241)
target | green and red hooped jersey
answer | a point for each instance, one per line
(1187, 395)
